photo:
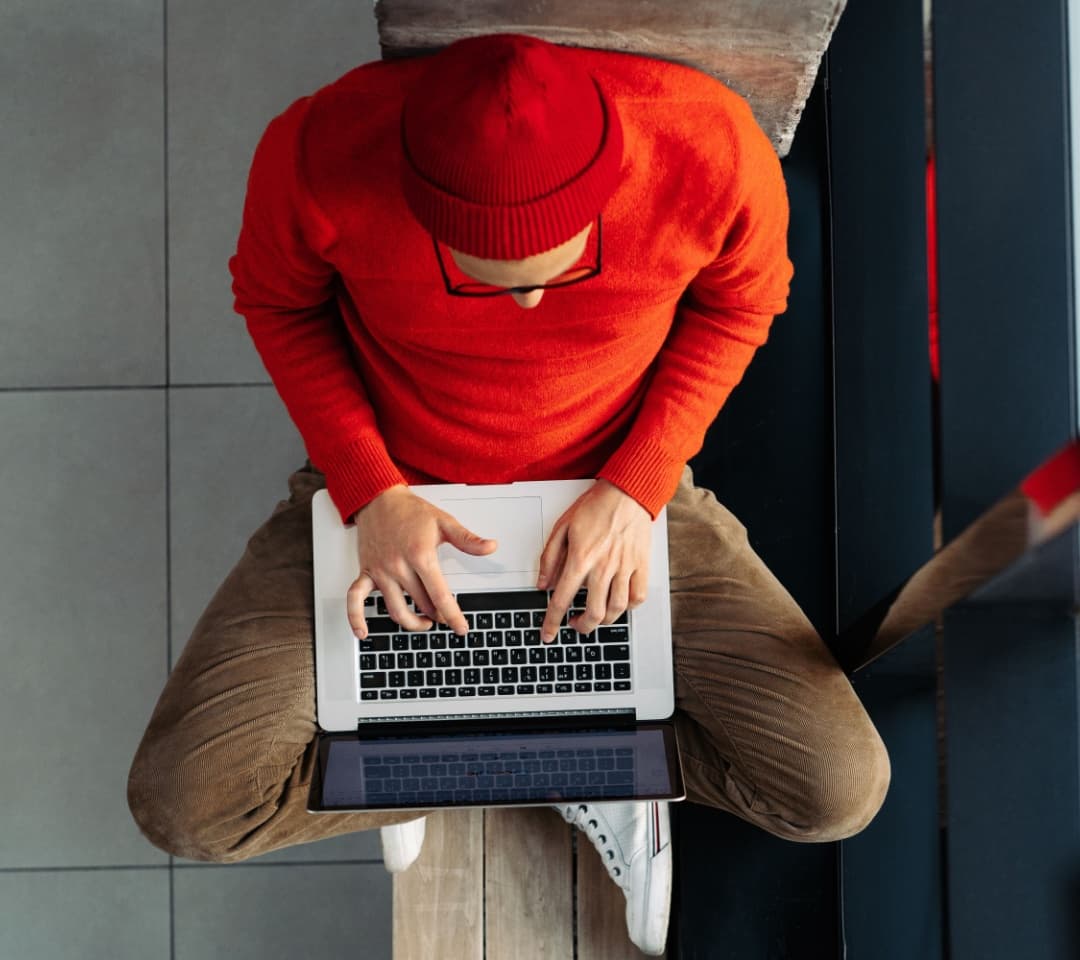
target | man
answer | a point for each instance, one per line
(511, 261)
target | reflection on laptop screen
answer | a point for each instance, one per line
(484, 769)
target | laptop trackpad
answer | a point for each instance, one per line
(516, 522)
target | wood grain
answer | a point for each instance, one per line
(439, 900)
(768, 52)
(528, 885)
(601, 910)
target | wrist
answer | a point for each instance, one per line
(380, 495)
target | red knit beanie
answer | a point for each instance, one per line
(510, 147)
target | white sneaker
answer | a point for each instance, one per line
(634, 840)
(401, 843)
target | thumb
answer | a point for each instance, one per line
(467, 541)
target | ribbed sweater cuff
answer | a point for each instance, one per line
(646, 472)
(357, 473)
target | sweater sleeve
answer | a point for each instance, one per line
(722, 319)
(287, 292)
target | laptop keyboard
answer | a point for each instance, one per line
(419, 778)
(500, 656)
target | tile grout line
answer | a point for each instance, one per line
(168, 394)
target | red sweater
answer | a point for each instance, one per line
(389, 379)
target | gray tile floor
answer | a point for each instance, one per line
(142, 445)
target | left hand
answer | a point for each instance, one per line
(602, 541)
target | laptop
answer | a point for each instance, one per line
(422, 720)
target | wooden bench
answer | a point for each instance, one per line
(500, 885)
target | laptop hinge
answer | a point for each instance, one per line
(538, 719)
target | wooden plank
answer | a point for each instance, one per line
(601, 910)
(439, 900)
(528, 885)
(768, 52)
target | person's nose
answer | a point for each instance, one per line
(528, 300)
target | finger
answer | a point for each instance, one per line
(618, 598)
(596, 604)
(465, 540)
(399, 610)
(442, 598)
(551, 557)
(354, 604)
(639, 586)
(566, 587)
(421, 602)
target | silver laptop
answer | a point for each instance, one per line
(418, 720)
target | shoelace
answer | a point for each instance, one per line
(610, 852)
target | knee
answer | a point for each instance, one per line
(172, 813)
(850, 791)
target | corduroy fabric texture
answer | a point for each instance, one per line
(510, 148)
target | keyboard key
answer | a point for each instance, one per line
(387, 694)
(566, 635)
(592, 653)
(480, 658)
(574, 654)
(418, 641)
(407, 694)
(369, 694)
(547, 674)
(583, 671)
(538, 615)
(461, 658)
(543, 688)
(513, 638)
(613, 634)
(426, 693)
(404, 661)
(452, 677)
(622, 684)
(374, 643)
(493, 638)
(554, 654)
(509, 675)
(443, 658)
(369, 680)
(531, 637)
(506, 691)
(582, 687)
(424, 660)
(622, 671)
(433, 678)
(466, 691)
(522, 620)
(386, 661)
(602, 671)
(604, 686)
(525, 688)
(503, 621)
(484, 621)
(447, 692)
(518, 657)
(563, 687)
(500, 658)
(399, 642)
(437, 640)
(415, 678)
(382, 624)
(397, 678)
(617, 653)
(564, 672)
(528, 674)
(472, 677)
(368, 661)
(490, 675)
(538, 656)
(455, 642)
(487, 691)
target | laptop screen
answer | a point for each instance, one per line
(496, 768)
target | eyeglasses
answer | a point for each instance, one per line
(474, 289)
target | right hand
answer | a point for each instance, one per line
(398, 534)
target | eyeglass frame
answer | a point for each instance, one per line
(593, 272)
